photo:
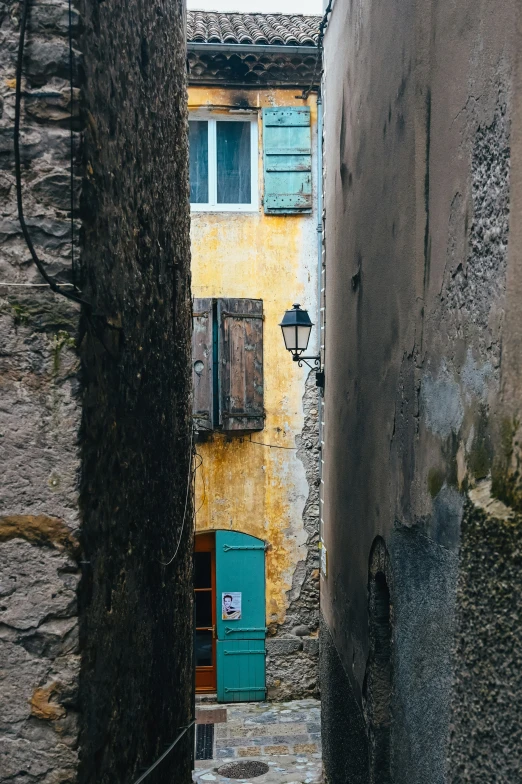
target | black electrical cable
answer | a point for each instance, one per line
(165, 753)
(249, 441)
(18, 168)
(71, 101)
(53, 285)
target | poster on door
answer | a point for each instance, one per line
(231, 606)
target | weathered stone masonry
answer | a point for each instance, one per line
(115, 428)
(293, 647)
(40, 416)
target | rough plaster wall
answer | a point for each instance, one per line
(475, 281)
(486, 733)
(136, 628)
(293, 650)
(423, 598)
(343, 730)
(39, 416)
(417, 377)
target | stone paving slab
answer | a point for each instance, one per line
(284, 769)
(284, 735)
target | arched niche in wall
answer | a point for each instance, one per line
(378, 679)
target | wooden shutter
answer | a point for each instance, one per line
(203, 398)
(288, 160)
(241, 363)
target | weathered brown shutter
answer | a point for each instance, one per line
(203, 400)
(241, 363)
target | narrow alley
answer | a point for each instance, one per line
(260, 391)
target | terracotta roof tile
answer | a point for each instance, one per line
(231, 28)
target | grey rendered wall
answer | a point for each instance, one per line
(422, 190)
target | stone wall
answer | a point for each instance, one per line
(40, 415)
(95, 404)
(293, 647)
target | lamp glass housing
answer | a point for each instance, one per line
(296, 328)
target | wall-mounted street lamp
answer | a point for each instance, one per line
(296, 327)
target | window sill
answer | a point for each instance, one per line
(224, 208)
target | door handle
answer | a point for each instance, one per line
(214, 632)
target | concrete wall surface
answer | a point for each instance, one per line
(95, 424)
(422, 493)
(270, 493)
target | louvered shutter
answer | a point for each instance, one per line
(241, 363)
(202, 376)
(287, 159)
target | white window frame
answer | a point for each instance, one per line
(213, 206)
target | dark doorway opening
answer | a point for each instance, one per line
(205, 602)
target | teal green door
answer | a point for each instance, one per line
(240, 589)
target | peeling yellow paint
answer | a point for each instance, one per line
(242, 485)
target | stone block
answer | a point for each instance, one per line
(305, 748)
(294, 738)
(248, 751)
(222, 753)
(283, 646)
(301, 631)
(45, 59)
(276, 749)
(52, 106)
(311, 646)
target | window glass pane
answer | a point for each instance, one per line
(203, 649)
(202, 572)
(198, 147)
(203, 608)
(233, 162)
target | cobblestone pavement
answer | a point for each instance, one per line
(284, 735)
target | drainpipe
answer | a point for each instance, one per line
(319, 213)
(320, 402)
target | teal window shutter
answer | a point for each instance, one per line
(287, 160)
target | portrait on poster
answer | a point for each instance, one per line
(231, 606)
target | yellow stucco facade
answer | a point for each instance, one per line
(242, 484)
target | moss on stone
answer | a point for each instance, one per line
(61, 339)
(44, 315)
(21, 315)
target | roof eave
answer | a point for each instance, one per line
(200, 46)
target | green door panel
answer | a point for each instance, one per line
(241, 670)
(241, 629)
(240, 568)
